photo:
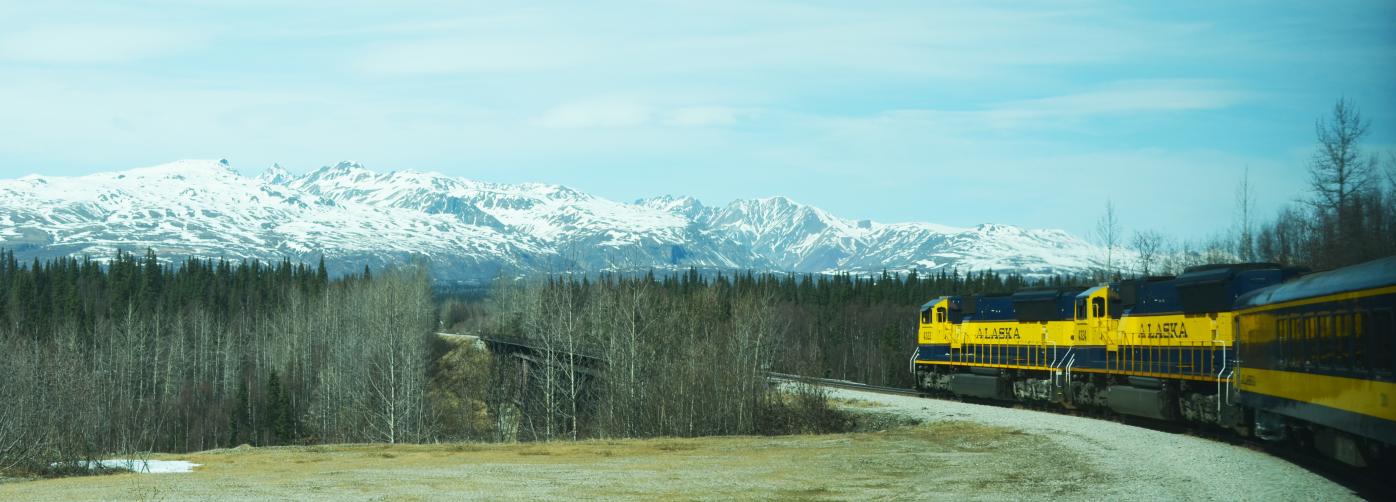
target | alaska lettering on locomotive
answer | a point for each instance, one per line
(1165, 330)
(1005, 333)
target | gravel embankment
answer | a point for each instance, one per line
(1136, 463)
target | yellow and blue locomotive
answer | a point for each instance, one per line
(1246, 346)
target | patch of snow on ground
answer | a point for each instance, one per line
(146, 466)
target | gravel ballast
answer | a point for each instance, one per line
(1130, 462)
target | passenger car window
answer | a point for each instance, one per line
(1282, 336)
(1359, 343)
(1379, 347)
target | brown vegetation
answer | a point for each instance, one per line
(906, 462)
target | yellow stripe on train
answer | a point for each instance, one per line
(1368, 397)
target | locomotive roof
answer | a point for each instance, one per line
(1156, 297)
(1229, 266)
(954, 302)
(1087, 293)
(1043, 294)
(1044, 304)
(1373, 274)
(993, 308)
(1219, 272)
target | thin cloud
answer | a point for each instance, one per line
(76, 44)
(596, 113)
(948, 42)
(701, 116)
(1135, 98)
(455, 55)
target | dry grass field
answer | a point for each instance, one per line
(947, 459)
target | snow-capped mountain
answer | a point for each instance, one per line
(474, 231)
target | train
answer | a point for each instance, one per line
(1258, 349)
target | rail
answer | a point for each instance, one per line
(845, 384)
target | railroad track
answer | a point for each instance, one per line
(845, 384)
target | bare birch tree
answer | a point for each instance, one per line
(1245, 208)
(1339, 171)
(1107, 231)
(1148, 244)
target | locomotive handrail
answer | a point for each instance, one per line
(1069, 365)
(1057, 366)
(1219, 381)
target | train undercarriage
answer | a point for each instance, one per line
(1152, 398)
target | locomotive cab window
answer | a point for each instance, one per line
(1080, 309)
(925, 316)
(1097, 307)
(940, 314)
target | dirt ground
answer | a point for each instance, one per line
(959, 452)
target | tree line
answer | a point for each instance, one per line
(137, 356)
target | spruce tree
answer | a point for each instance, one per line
(274, 419)
(280, 417)
(322, 276)
(237, 420)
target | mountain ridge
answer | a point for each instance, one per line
(475, 231)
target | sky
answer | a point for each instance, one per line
(1032, 114)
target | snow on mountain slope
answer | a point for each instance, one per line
(204, 208)
(587, 232)
(996, 247)
(474, 231)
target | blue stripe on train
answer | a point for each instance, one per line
(1183, 361)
